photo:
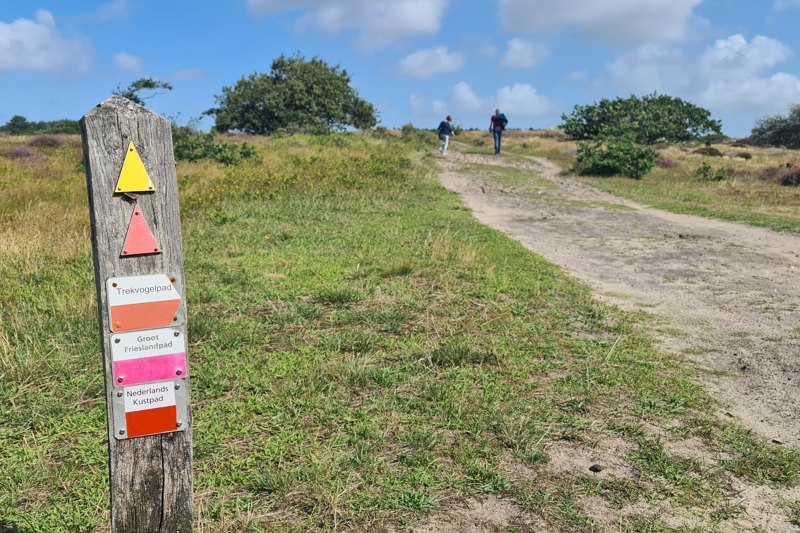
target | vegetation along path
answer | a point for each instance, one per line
(724, 295)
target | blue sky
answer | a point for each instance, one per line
(416, 60)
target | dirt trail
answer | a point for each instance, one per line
(728, 293)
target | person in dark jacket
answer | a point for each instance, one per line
(445, 131)
(497, 125)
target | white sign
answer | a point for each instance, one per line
(149, 409)
(147, 343)
(149, 396)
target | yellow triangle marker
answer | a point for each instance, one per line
(133, 176)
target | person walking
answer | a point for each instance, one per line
(497, 125)
(445, 131)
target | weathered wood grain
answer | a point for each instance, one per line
(150, 477)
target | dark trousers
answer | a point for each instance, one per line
(498, 135)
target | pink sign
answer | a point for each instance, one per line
(148, 355)
(139, 240)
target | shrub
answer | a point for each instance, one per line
(708, 151)
(412, 134)
(778, 130)
(772, 174)
(791, 178)
(706, 173)
(408, 130)
(382, 132)
(47, 141)
(615, 157)
(788, 176)
(20, 152)
(190, 144)
(714, 138)
(745, 155)
(663, 162)
(552, 133)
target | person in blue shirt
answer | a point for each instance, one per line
(496, 127)
(445, 131)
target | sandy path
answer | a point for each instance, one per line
(728, 293)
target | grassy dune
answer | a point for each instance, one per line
(363, 355)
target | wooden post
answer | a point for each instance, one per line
(136, 242)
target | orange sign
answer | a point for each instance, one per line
(143, 302)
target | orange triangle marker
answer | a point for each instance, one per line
(139, 240)
(133, 176)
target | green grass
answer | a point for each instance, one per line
(362, 351)
(767, 205)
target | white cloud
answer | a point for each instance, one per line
(523, 54)
(36, 45)
(45, 18)
(628, 21)
(733, 75)
(785, 5)
(650, 68)
(423, 106)
(757, 95)
(128, 63)
(427, 63)
(464, 99)
(735, 58)
(736, 77)
(379, 22)
(522, 100)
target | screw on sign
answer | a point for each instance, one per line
(139, 240)
(148, 355)
(149, 409)
(133, 177)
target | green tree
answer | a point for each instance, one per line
(297, 95)
(648, 119)
(142, 84)
(18, 125)
(778, 130)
